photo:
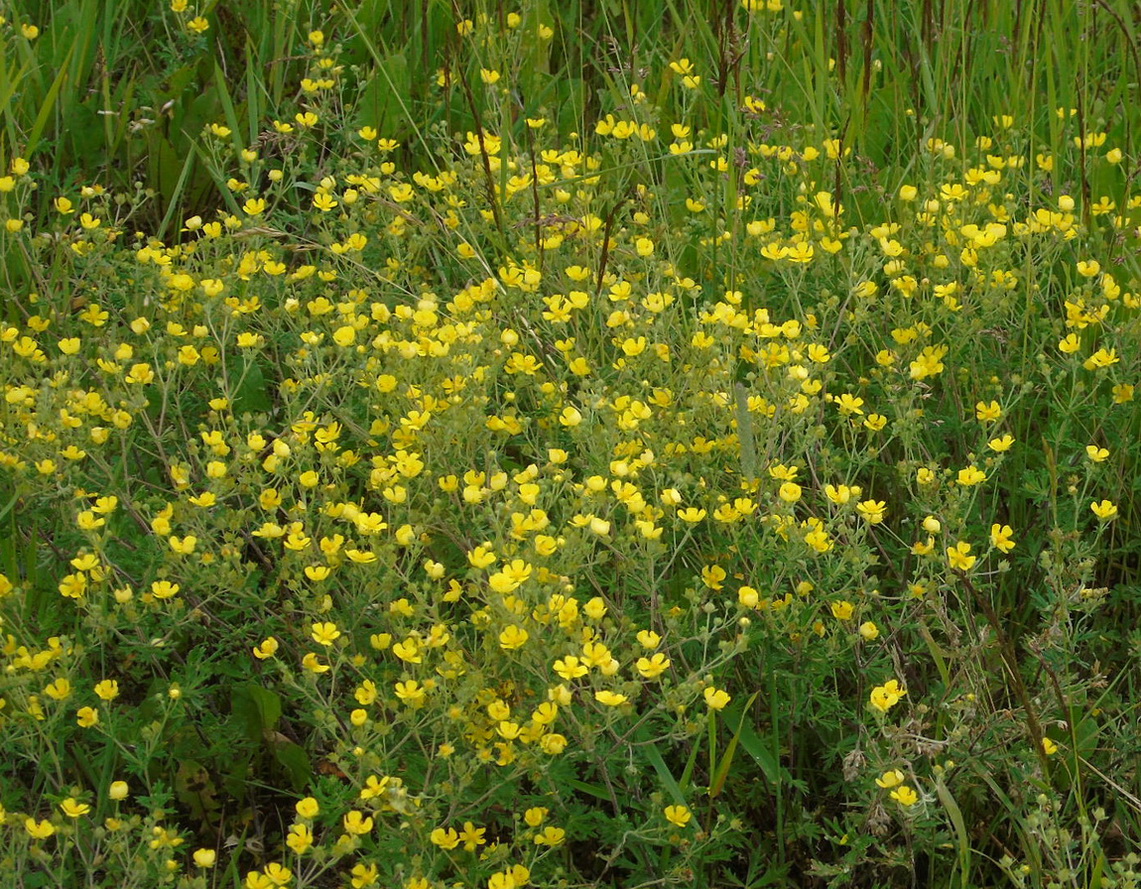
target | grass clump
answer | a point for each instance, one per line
(559, 446)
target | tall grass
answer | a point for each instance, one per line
(479, 283)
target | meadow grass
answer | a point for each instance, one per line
(571, 444)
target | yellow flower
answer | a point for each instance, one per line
(278, 874)
(308, 808)
(886, 696)
(164, 589)
(1049, 747)
(325, 633)
(266, 649)
(183, 546)
(205, 858)
(550, 836)
(610, 698)
(988, 413)
(357, 823)
(411, 692)
(849, 404)
(1102, 358)
(869, 631)
(653, 666)
(570, 417)
(300, 838)
(513, 637)
(889, 779)
(313, 664)
(570, 668)
(1002, 537)
(447, 838)
(72, 808)
(364, 875)
(905, 795)
(873, 511)
(959, 557)
(679, 815)
(1001, 444)
(843, 610)
(1069, 344)
(39, 830)
(789, 492)
(472, 836)
(87, 717)
(716, 698)
(1105, 510)
(59, 690)
(1096, 454)
(107, 689)
(972, 475)
(119, 790)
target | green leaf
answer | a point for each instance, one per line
(957, 822)
(763, 756)
(257, 709)
(384, 100)
(252, 393)
(592, 789)
(726, 762)
(654, 755)
(293, 758)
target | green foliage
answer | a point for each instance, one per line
(585, 444)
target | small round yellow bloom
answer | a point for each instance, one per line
(678, 815)
(39, 830)
(889, 779)
(959, 557)
(308, 808)
(72, 808)
(513, 637)
(905, 796)
(970, 476)
(653, 666)
(325, 633)
(266, 649)
(87, 717)
(886, 696)
(1097, 454)
(357, 823)
(1105, 510)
